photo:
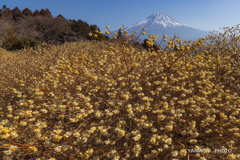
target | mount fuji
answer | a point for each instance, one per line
(159, 23)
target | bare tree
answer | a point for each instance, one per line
(7, 31)
(45, 28)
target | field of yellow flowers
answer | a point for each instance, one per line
(108, 100)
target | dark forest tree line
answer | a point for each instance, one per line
(19, 29)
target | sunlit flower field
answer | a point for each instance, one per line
(109, 100)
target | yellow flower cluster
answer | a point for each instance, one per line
(102, 100)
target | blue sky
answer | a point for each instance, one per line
(200, 14)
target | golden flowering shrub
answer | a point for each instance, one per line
(103, 100)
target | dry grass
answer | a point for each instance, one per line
(98, 100)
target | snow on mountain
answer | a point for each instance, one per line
(161, 24)
(158, 18)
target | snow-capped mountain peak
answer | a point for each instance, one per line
(166, 21)
(158, 18)
(161, 24)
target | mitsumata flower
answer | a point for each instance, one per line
(113, 98)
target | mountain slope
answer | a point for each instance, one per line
(159, 23)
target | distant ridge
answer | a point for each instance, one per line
(159, 23)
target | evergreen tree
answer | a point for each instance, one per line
(5, 12)
(145, 44)
(93, 29)
(16, 12)
(27, 12)
(60, 16)
(119, 33)
(45, 12)
(36, 13)
(81, 28)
